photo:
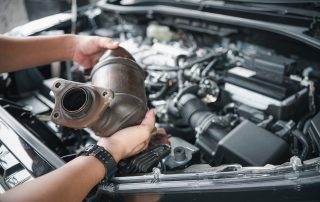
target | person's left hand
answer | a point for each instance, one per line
(130, 141)
(88, 49)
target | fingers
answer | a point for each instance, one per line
(144, 131)
(132, 140)
(107, 43)
(88, 49)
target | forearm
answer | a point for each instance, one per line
(69, 183)
(21, 53)
(73, 181)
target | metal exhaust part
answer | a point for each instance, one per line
(114, 100)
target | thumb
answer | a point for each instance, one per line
(108, 43)
(149, 120)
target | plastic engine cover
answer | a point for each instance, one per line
(251, 145)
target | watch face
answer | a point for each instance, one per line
(89, 148)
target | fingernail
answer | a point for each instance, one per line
(154, 111)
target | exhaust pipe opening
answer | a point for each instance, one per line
(114, 100)
(75, 100)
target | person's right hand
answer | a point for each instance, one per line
(130, 141)
(88, 49)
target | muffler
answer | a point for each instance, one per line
(114, 100)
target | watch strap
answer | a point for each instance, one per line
(103, 156)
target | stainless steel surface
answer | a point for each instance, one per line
(18, 178)
(114, 100)
(26, 148)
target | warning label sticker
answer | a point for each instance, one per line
(240, 71)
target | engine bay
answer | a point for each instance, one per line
(224, 95)
(230, 102)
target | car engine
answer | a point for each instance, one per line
(224, 95)
(234, 101)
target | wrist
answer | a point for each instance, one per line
(116, 154)
(101, 154)
(96, 167)
(70, 43)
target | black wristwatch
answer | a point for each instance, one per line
(102, 155)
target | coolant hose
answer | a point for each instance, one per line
(305, 146)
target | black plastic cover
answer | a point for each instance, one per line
(267, 88)
(314, 132)
(268, 76)
(249, 144)
(145, 161)
(271, 68)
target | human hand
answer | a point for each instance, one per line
(131, 140)
(88, 49)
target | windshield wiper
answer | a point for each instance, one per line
(290, 10)
(279, 7)
(275, 1)
(259, 7)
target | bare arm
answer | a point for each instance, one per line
(73, 181)
(21, 53)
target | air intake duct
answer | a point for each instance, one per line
(225, 142)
